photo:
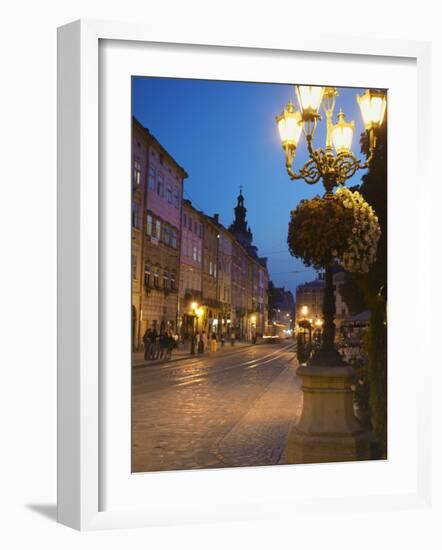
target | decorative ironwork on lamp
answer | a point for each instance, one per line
(334, 168)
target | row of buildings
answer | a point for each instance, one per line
(188, 269)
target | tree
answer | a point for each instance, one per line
(369, 291)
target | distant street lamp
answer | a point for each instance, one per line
(253, 327)
(334, 167)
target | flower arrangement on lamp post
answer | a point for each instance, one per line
(339, 226)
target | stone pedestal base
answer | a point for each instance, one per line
(328, 430)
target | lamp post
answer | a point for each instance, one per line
(327, 429)
(334, 165)
(198, 313)
(194, 307)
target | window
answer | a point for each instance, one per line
(172, 281)
(210, 268)
(152, 180)
(200, 230)
(165, 279)
(199, 254)
(161, 160)
(169, 195)
(149, 225)
(135, 215)
(146, 275)
(158, 229)
(160, 184)
(174, 238)
(137, 172)
(176, 199)
(166, 234)
(155, 278)
(195, 254)
(134, 267)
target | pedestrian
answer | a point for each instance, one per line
(170, 345)
(232, 339)
(163, 342)
(223, 338)
(146, 341)
(152, 343)
(213, 342)
(200, 343)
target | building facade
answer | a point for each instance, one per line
(156, 232)
(182, 257)
(250, 278)
(190, 289)
(239, 290)
(210, 304)
(225, 253)
(310, 297)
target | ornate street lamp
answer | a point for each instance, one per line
(334, 165)
(327, 430)
(289, 126)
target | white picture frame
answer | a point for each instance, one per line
(79, 273)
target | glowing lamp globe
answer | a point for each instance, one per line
(372, 105)
(289, 126)
(342, 134)
(310, 99)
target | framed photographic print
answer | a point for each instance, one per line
(224, 262)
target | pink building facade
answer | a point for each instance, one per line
(157, 189)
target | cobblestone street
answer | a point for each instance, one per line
(231, 409)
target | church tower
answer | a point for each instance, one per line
(239, 226)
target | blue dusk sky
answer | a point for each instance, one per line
(224, 135)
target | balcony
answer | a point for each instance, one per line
(191, 295)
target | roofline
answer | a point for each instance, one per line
(153, 139)
(219, 226)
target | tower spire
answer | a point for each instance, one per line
(239, 226)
